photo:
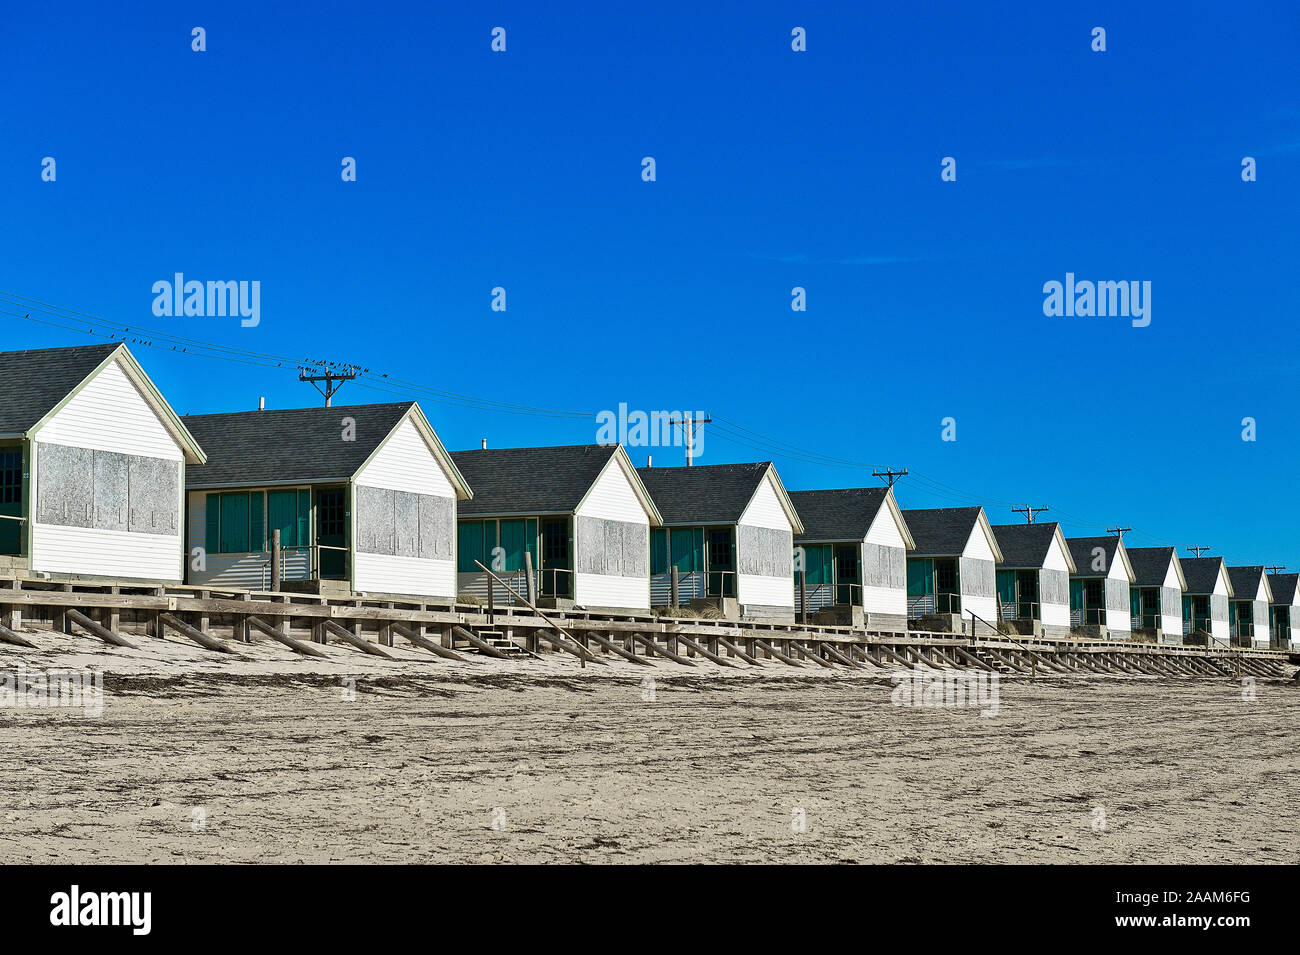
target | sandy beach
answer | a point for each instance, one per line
(197, 758)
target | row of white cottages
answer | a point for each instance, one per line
(100, 478)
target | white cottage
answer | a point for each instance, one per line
(1156, 596)
(364, 496)
(1207, 598)
(952, 573)
(1034, 578)
(92, 467)
(1100, 604)
(1248, 614)
(1286, 605)
(577, 515)
(729, 532)
(854, 554)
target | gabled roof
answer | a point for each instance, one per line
(712, 493)
(1028, 545)
(1283, 587)
(1081, 549)
(1151, 566)
(524, 482)
(944, 531)
(35, 384)
(527, 481)
(298, 445)
(1245, 582)
(846, 514)
(1201, 574)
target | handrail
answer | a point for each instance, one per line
(1033, 663)
(11, 517)
(582, 658)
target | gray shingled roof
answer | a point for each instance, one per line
(703, 494)
(1024, 545)
(530, 480)
(1201, 573)
(1150, 565)
(941, 531)
(1245, 581)
(840, 514)
(1081, 551)
(33, 382)
(1284, 587)
(299, 445)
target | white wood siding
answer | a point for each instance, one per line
(109, 414)
(1119, 621)
(612, 498)
(1057, 614)
(978, 546)
(1172, 623)
(891, 600)
(414, 576)
(609, 590)
(90, 550)
(765, 510)
(406, 463)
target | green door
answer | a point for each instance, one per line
(11, 500)
(332, 532)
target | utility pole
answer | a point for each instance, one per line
(1118, 531)
(889, 475)
(1198, 551)
(1275, 568)
(333, 379)
(1029, 512)
(689, 426)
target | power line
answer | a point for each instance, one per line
(889, 475)
(921, 483)
(1029, 512)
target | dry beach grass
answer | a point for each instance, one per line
(539, 761)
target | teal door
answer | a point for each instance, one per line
(332, 532)
(11, 500)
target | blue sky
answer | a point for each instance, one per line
(775, 169)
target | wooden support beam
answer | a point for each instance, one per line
(614, 648)
(185, 630)
(422, 641)
(973, 660)
(108, 636)
(1086, 661)
(350, 638)
(1009, 658)
(836, 655)
(675, 657)
(8, 636)
(735, 650)
(261, 626)
(702, 651)
(889, 654)
(811, 653)
(773, 652)
(478, 643)
(569, 646)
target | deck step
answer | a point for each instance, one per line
(497, 640)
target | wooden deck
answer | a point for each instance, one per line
(210, 617)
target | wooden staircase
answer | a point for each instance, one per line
(495, 639)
